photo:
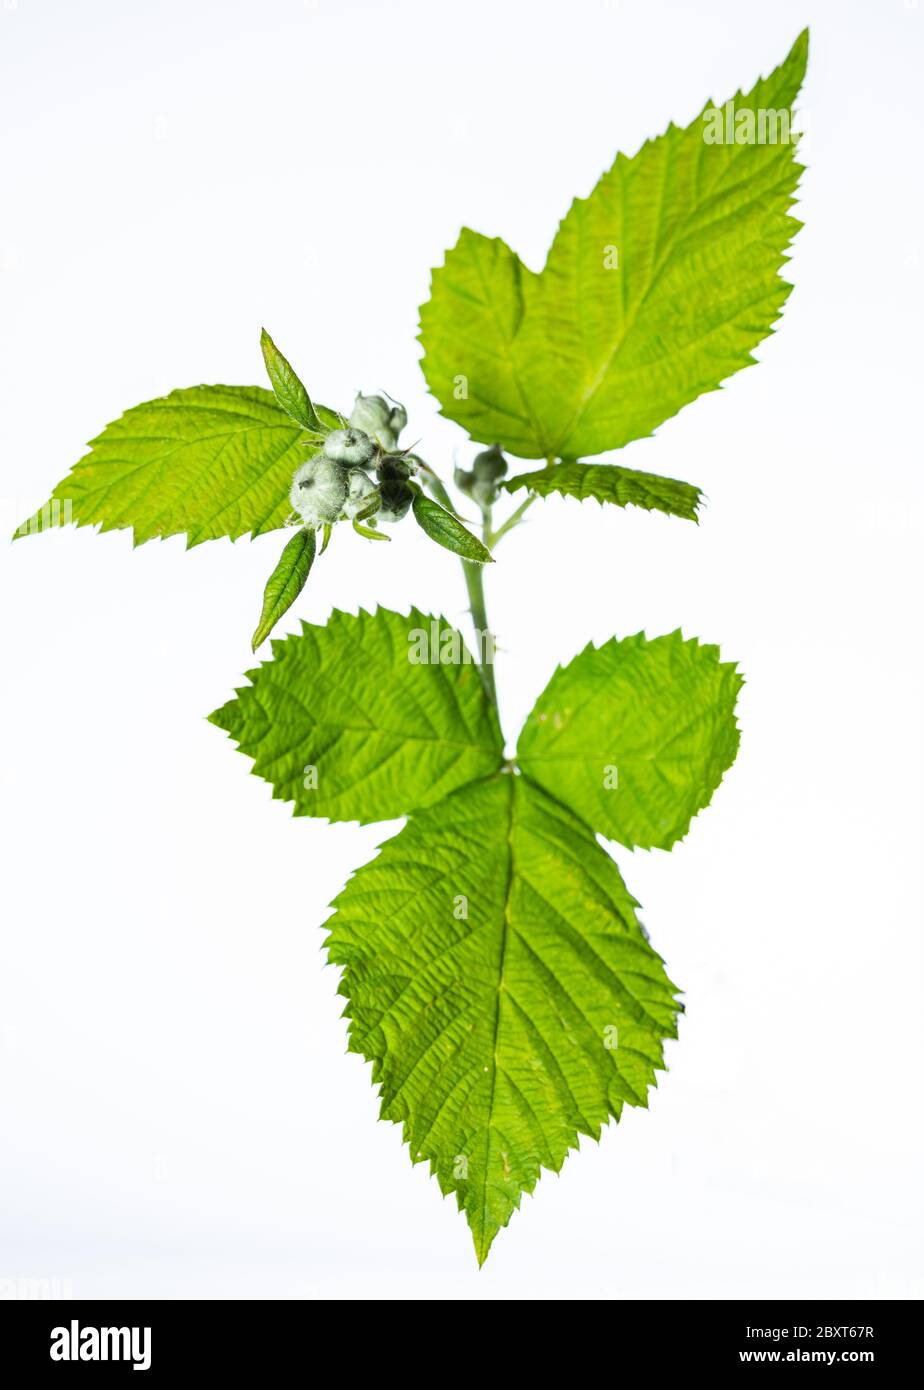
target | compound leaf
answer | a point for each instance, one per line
(367, 717)
(656, 289)
(608, 483)
(209, 461)
(501, 985)
(635, 736)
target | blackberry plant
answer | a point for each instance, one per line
(496, 972)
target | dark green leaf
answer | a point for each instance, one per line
(441, 526)
(286, 582)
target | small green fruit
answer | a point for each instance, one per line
(319, 490)
(396, 500)
(393, 466)
(361, 493)
(489, 465)
(372, 415)
(349, 446)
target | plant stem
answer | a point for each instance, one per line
(513, 520)
(474, 577)
(474, 582)
(484, 641)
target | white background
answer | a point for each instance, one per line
(179, 1114)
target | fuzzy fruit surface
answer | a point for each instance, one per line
(319, 490)
(350, 446)
(396, 500)
(361, 493)
(377, 417)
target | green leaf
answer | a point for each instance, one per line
(608, 483)
(384, 733)
(635, 736)
(290, 393)
(501, 985)
(468, 329)
(209, 461)
(444, 528)
(286, 582)
(656, 289)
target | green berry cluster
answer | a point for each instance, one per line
(357, 474)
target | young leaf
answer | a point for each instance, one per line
(209, 461)
(657, 288)
(635, 736)
(608, 483)
(500, 984)
(444, 528)
(286, 582)
(290, 393)
(362, 720)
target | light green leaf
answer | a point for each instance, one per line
(286, 582)
(444, 528)
(500, 984)
(290, 393)
(351, 707)
(656, 289)
(468, 328)
(635, 736)
(209, 461)
(608, 483)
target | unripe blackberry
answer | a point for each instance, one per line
(361, 493)
(394, 466)
(319, 490)
(350, 446)
(489, 465)
(372, 415)
(396, 500)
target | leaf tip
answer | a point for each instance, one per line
(482, 1244)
